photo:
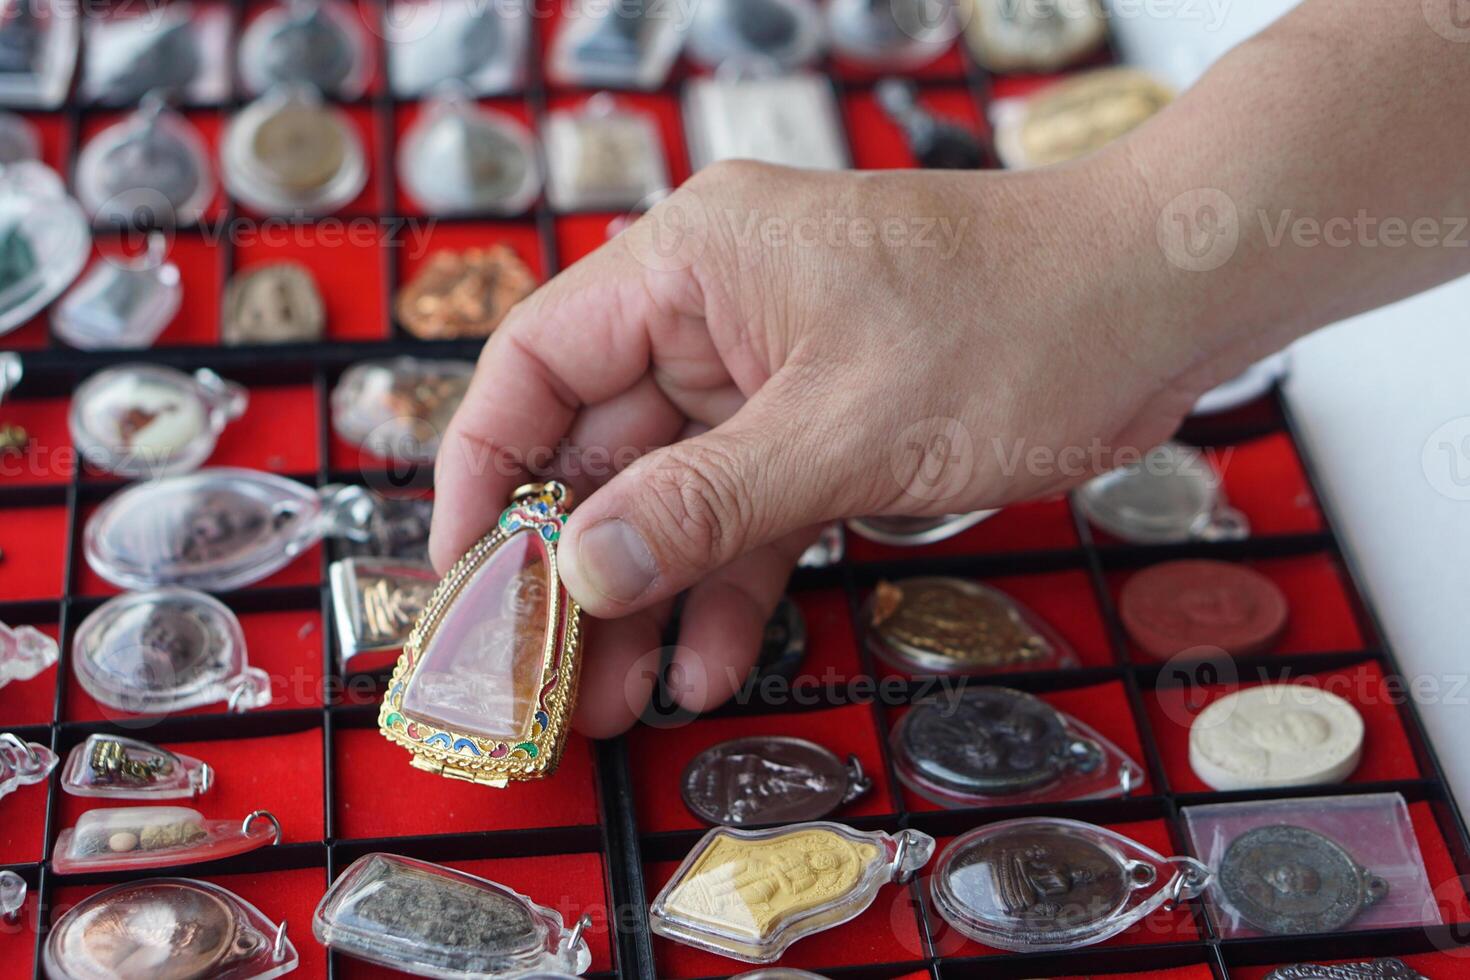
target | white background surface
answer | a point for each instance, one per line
(1383, 402)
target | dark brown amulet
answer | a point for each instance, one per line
(1180, 605)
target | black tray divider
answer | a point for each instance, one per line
(627, 892)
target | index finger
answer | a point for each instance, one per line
(583, 338)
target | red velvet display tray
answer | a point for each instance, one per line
(603, 836)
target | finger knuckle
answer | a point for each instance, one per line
(704, 502)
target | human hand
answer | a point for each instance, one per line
(769, 350)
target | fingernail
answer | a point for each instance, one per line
(616, 561)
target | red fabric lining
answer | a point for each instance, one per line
(33, 541)
(879, 144)
(347, 264)
(279, 773)
(1160, 927)
(571, 884)
(452, 806)
(291, 896)
(31, 702)
(1193, 972)
(277, 433)
(1446, 883)
(197, 322)
(286, 645)
(1386, 751)
(1320, 617)
(831, 643)
(1036, 526)
(579, 235)
(663, 756)
(1063, 601)
(52, 128)
(49, 457)
(1104, 707)
(23, 831)
(888, 932)
(1264, 479)
(31, 335)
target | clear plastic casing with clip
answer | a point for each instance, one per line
(1323, 865)
(142, 421)
(36, 65)
(736, 895)
(992, 745)
(480, 45)
(621, 45)
(603, 156)
(22, 763)
(433, 921)
(121, 768)
(24, 652)
(166, 650)
(198, 929)
(1042, 883)
(152, 165)
(217, 529)
(398, 409)
(13, 891)
(912, 532)
(460, 157)
(746, 111)
(45, 239)
(786, 33)
(135, 837)
(314, 42)
(1172, 495)
(121, 303)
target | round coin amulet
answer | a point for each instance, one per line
(1043, 883)
(1289, 880)
(769, 780)
(995, 745)
(1276, 735)
(1179, 606)
(166, 929)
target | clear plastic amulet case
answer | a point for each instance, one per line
(993, 746)
(433, 921)
(217, 529)
(137, 837)
(1048, 884)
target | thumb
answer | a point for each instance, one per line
(687, 509)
